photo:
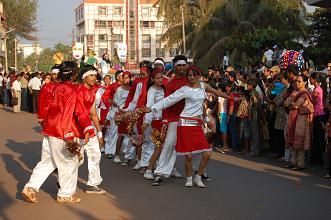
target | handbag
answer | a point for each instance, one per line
(307, 109)
(14, 101)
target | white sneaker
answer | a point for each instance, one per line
(117, 159)
(198, 182)
(149, 175)
(189, 181)
(102, 149)
(176, 173)
(137, 166)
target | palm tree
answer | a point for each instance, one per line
(214, 26)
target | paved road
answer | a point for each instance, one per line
(241, 189)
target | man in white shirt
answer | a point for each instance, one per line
(34, 89)
(16, 93)
(268, 57)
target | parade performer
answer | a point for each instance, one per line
(138, 93)
(190, 136)
(85, 102)
(109, 124)
(167, 159)
(117, 110)
(58, 128)
(154, 119)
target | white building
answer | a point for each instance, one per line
(28, 49)
(100, 24)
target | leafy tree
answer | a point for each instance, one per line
(21, 15)
(320, 32)
(214, 26)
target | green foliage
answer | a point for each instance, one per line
(320, 32)
(242, 27)
(45, 59)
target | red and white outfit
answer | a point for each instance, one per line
(57, 128)
(84, 103)
(111, 130)
(154, 119)
(190, 136)
(167, 157)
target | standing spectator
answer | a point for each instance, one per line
(4, 91)
(232, 116)
(268, 57)
(24, 91)
(244, 130)
(298, 134)
(276, 56)
(16, 93)
(226, 60)
(1, 90)
(223, 120)
(318, 123)
(34, 89)
(253, 116)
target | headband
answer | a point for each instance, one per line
(159, 62)
(180, 62)
(126, 73)
(55, 71)
(144, 69)
(156, 71)
(89, 73)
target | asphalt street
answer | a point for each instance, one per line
(241, 188)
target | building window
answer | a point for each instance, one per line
(103, 37)
(117, 38)
(81, 13)
(90, 40)
(144, 12)
(102, 10)
(118, 24)
(100, 24)
(146, 52)
(160, 52)
(117, 11)
(147, 24)
(146, 39)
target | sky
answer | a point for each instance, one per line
(56, 21)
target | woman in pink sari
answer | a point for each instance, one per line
(299, 126)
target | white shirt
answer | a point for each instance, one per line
(16, 86)
(1, 80)
(226, 61)
(154, 95)
(194, 99)
(223, 105)
(35, 83)
(268, 55)
(118, 102)
(133, 103)
(7, 83)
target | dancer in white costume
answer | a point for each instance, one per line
(110, 126)
(191, 139)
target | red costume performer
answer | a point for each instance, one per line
(45, 100)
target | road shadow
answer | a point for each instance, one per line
(5, 201)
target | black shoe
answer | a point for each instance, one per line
(157, 181)
(109, 156)
(204, 177)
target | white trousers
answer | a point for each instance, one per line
(111, 138)
(55, 155)
(168, 155)
(127, 148)
(92, 149)
(147, 148)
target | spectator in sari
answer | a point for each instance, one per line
(299, 125)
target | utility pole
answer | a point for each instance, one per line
(5, 44)
(183, 29)
(15, 42)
